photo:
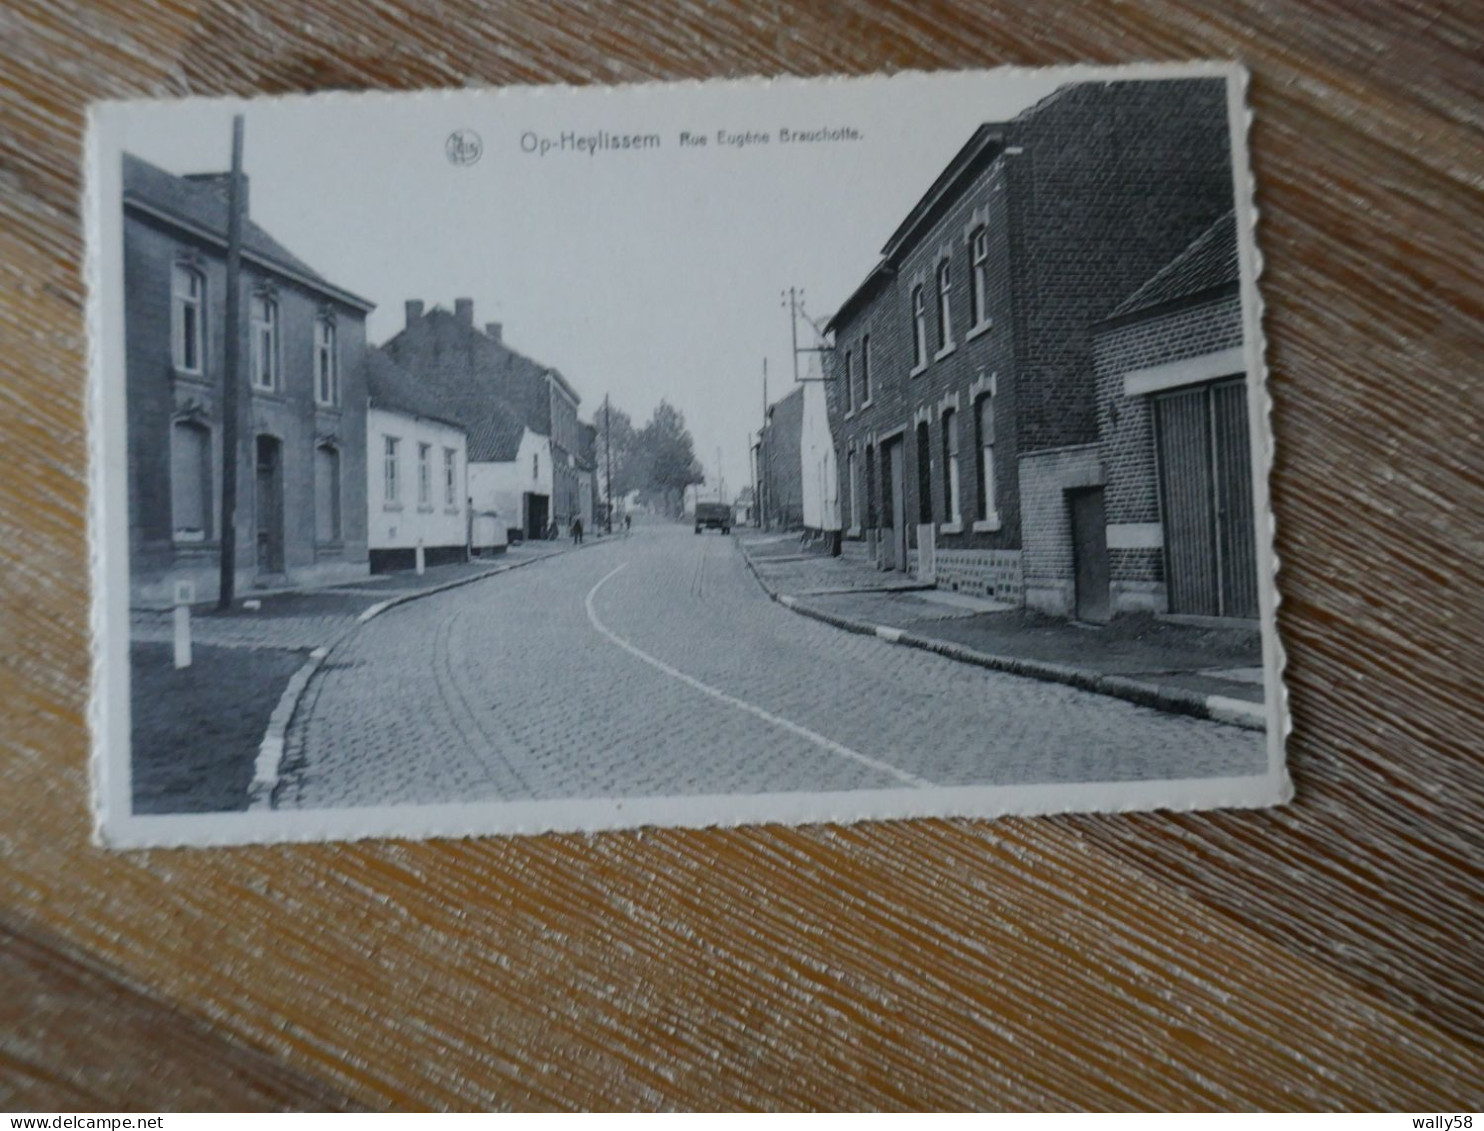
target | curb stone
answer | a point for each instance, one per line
(1175, 700)
(269, 764)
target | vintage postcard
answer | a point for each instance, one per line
(510, 460)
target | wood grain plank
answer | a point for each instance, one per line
(75, 1036)
(1324, 955)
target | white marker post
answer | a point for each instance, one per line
(421, 562)
(185, 594)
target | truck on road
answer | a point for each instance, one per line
(713, 516)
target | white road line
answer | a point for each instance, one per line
(741, 704)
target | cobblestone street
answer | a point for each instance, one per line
(656, 666)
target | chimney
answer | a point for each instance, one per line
(414, 311)
(220, 183)
(463, 310)
(494, 330)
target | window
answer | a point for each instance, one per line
(424, 475)
(188, 301)
(866, 370)
(326, 362)
(535, 465)
(919, 329)
(391, 476)
(855, 508)
(326, 494)
(986, 458)
(190, 481)
(979, 275)
(950, 465)
(945, 288)
(450, 477)
(264, 342)
(849, 382)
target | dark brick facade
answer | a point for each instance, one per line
(1080, 200)
(1201, 330)
(170, 221)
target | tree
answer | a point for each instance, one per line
(665, 457)
(616, 451)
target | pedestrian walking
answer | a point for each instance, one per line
(628, 521)
(577, 531)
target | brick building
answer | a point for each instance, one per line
(780, 463)
(301, 458)
(962, 398)
(481, 380)
(1173, 438)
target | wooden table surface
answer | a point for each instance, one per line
(1324, 955)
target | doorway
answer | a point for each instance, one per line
(1090, 554)
(1205, 485)
(897, 475)
(538, 512)
(268, 503)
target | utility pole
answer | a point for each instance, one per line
(763, 454)
(608, 461)
(231, 399)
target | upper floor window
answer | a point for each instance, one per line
(450, 477)
(979, 275)
(391, 477)
(535, 465)
(187, 318)
(919, 329)
(424, 474)
(264, 342)
(849, 381)
(866, 370)
(326, 362)
(945, 290)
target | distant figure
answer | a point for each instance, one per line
(628, 521)
(577, 531)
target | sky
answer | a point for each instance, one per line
(641, 273)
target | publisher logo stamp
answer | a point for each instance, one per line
(464, 147)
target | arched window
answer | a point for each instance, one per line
(979, 275)
(326, 362)
(849, 381)
(264, 342)
(190, 481)
(326, 493)
(919, 329)
(187, 318)
(865, 370)
(945, 322)
(985, 413)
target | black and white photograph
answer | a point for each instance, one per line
(512, 460)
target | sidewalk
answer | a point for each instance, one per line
(1208, 672)
(198, 732)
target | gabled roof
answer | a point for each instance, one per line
(391, 387)
(1208, 264)
(494, 433)
(201, 207)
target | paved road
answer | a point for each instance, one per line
(656, 666)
